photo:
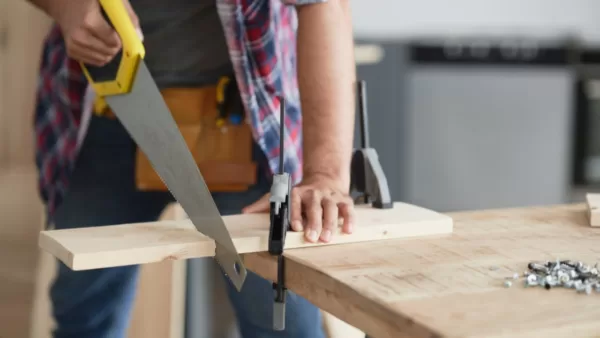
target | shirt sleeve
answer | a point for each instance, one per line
(302, 2)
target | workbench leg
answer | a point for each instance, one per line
(159, 307)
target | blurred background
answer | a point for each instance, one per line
(472, 104)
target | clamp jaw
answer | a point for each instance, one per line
(280, 224)
(366, 175)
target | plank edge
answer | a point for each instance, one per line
(593, 214)
(437, 224)
(50, 245)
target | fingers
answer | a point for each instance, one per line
(85, 55)
(346, 211)
(97, 26)
(296, 210)
(330, 219)
(314, 215)
(321, 210)
(87, 48)
(91, 39)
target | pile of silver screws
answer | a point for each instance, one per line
(567, 274)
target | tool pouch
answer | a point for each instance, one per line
(222, 150)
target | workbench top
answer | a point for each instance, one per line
(453, 285)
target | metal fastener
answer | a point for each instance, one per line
(564, 278)
(569, 274)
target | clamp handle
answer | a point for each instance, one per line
(116, 77)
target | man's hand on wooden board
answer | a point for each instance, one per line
(326, 77)
(89, 38)
(317, 204)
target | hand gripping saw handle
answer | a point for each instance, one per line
(128, 88)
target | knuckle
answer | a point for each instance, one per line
(314, 195)
(329, 202)
(78, 36)
(296, 193)
(88, 23)
(316, 211)
(347, 200)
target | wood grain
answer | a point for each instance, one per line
(452, 286)
(117, 245)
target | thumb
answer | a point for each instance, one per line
(262, 205)
(102, 29)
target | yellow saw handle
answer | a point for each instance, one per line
(116, 77)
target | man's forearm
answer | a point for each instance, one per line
(47, 6)
(326, 78)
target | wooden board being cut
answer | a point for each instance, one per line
(453, 286)
(126, 244)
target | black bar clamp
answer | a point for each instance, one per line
(366, 174)
(280, 223)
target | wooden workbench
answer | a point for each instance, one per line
(404, 272)
(452, 286)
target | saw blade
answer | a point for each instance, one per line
(145, 115)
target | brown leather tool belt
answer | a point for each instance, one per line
(212, 123)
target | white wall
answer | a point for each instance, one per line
(440, 18)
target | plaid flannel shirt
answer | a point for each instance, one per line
(262, 46)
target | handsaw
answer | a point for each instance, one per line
(127, 86)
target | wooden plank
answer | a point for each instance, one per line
(158, 308)
(117, 245)
(452, 286)
(593, 209)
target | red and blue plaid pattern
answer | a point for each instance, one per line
(261, 39)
